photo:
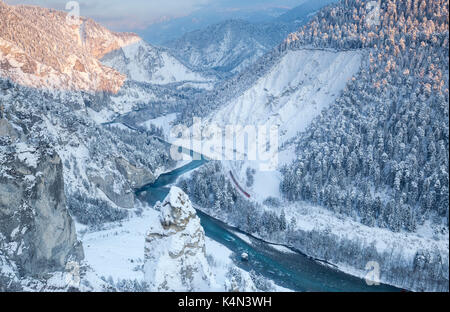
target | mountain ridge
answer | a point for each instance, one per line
(230, 46)
(45, 50)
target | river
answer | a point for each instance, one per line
(287, 268)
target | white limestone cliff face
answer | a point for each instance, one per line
(175, 258)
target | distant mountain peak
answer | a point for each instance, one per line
(228, 47)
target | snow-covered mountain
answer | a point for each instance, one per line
(363, 143)
(171, 29)
(227, 47)
(362, 170)
(230, 46)
(73, 175)
(39, 48)
(91, 171)
(294, 91)
(51, 84)
(144, 63)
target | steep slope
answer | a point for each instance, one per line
(160, 33)
(392, 120)
(36, 232)
(102, 164)
(55, 160)
(366, 178)
(39, 249)
(293, 92)
(228, 47)
(39, 48)
(143, 63)
(286, 90)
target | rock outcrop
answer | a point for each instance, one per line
(36, 231)
(119, 187)
(122, 196)
(175, 257)
(6, 130)
(136, 177)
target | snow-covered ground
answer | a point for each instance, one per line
(290, 96)
(282, 248)
(309, 217)
(400, 248)
(266, 183)
(295, 91)
(117, 251)
(163, 122)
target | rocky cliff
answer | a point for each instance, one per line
(37, 232)
(101, 165)
(175, 257)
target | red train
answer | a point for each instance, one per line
(238, 186)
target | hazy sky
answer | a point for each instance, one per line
(138, 14)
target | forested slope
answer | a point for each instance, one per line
(380, 153)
